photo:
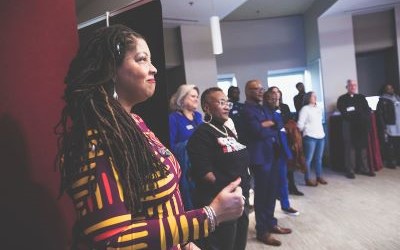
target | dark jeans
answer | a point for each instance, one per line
(291, 182)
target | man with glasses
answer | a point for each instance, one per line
(355, 126)
(261, 138)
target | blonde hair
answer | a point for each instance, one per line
(176, 101)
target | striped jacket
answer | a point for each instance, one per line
(104, 219)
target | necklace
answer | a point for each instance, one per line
(224, 133)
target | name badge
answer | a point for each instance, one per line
(189, 127)
(349, 109)
(234, 112)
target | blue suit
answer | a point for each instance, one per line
(263, 146)
(285, 154)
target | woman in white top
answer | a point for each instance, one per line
(310, 124)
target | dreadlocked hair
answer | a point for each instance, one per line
(89, 105)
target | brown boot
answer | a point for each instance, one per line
(311, 183)
(268, 239)
(322, 181)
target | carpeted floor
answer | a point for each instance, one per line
(363, 213)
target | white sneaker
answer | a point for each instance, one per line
(291, 211)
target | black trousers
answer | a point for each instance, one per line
(393, 150)
(231, 235)
(355, 158)
(291, 183)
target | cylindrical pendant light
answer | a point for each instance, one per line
(216, 35)
(107, 18)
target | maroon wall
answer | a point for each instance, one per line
(38, 40)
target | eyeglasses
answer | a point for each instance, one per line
(257, 89)
(224, 103)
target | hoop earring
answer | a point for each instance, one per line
(115, 95)
(205, 117)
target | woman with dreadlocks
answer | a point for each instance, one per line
(122, 180)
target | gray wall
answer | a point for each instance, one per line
(337, 56)
(374, 31)
(252, 48)
(93, 9)
(172, 47)
(311, 28)
(376, 55)
(374, 69)
(198, 58)
(313, 46)
(397, 28)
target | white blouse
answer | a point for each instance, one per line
(310, 122)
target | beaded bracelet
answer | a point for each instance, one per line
(211, 217)
(214, 214)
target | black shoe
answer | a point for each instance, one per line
(371, 174)
(391, 165)
(350, 175)
(296, 192)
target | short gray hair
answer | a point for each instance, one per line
(176, 101)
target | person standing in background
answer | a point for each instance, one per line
(235, 112)
(183, 120)
(298, 99)
(284, 110)
(261, 136)
(310, 124)
(388, 116)
(356, 115)
(271, 102)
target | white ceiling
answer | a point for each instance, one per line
(360, 6)
(260, 9)
(177, 12)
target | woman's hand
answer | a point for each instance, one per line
(191, 246)
(229, 203)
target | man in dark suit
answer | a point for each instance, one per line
(234, 113)
(298, 99)
(261, 136)
(356, 116)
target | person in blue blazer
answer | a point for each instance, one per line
(261, 136)
(271, 102)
